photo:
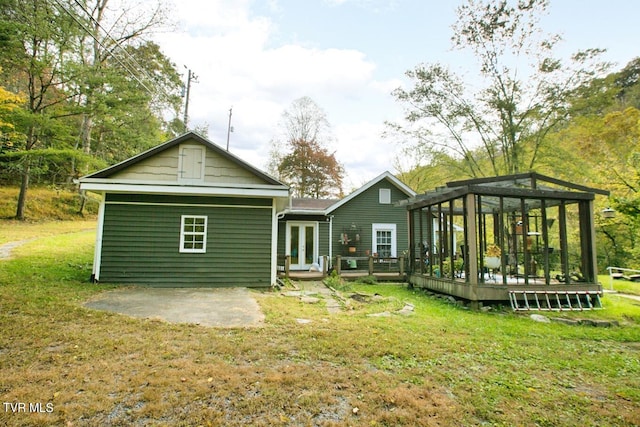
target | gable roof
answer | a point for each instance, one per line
(308, 204)
(326, 206)
(190, 137)
(383, 176)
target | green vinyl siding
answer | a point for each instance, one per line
(323, 239)
(141, 242)
(187, 200)
(365, 210)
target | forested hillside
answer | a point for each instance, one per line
(75, 97)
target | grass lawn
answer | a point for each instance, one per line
(624, 286)
(441, 366)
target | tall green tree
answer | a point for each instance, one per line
(36, 38)
(122, 78)
(90, 95)
(496, 120)
(604, 151)
(130, 118)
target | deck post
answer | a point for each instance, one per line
(325, 265)
(370, 265)
(338, 268)
(470, 215)
(401, 261)
(287, 265)
(588, 242)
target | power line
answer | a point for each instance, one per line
(130, 57)
(128, 62)
(130, 68)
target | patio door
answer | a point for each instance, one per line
(302, 244)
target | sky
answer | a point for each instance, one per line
(257, 57)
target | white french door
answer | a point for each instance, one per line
(302, 244)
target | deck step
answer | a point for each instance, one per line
(554, 300)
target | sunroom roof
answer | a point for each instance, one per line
(508, 193)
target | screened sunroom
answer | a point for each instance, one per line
(525, 239)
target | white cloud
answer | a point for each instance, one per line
(232, 53)
(363, 152)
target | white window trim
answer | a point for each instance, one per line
(384, 196)
(384, 227)
(183, 235)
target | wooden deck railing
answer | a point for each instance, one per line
(352, 266)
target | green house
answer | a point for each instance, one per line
(186, 213)
(367, 222)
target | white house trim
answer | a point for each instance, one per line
(158, 182)
(183, 190)
(274, 242)
(97, 254)
(197, 205)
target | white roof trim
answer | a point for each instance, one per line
(179, 183)
(288, 211)
(395, 181)
(248, 191)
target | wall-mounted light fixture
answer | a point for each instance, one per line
(608, 213)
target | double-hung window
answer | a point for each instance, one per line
(193, 234)
(384, 240)
(383, 243)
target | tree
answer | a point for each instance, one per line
(604, 151)
(311, 170)
(128, 117)
(614, 92)
(307, 165)
(501, 126)
(120, 76)
(88, 92)
(9, 102)
(36, 38)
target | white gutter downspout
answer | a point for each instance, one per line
(97, 254)
(274, 242)
(330, 239)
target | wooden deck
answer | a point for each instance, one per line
(495, 291)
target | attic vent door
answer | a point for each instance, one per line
(191, 164)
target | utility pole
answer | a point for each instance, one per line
(229, 127)
(190, 77)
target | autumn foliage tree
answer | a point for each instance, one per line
(311, 170)
(299, 155)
